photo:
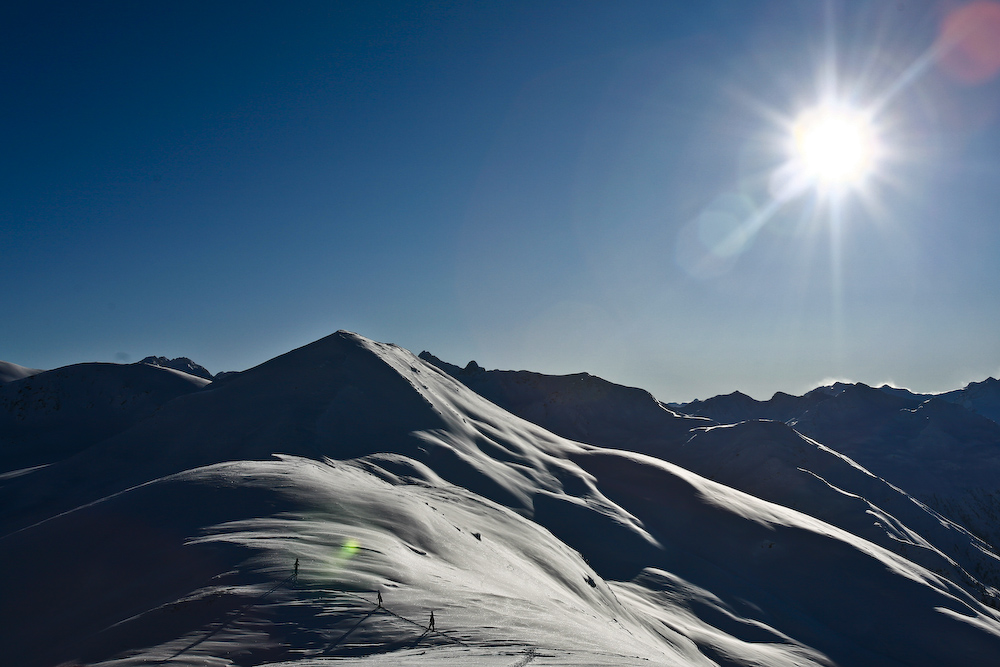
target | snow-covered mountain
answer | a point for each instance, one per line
(943, 449)
(258, 520)
(579, 407)
(983, 398)
(770, 460)
(182, 364)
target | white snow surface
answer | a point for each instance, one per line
(10, 372)
(175, 541)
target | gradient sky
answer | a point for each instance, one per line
(533, 185)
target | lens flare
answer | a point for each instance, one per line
(349, 548)
(970, 42)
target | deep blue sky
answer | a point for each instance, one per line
(529, 184)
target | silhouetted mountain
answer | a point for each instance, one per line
(983, 398)
(54, 414)
(580, 407)
(179, 364)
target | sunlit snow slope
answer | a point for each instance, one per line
(771, 460)
(175, 541)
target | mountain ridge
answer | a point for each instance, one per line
(767, 459)
(382, 473)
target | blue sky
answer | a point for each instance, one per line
(530, 185)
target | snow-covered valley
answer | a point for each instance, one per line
(151, 516)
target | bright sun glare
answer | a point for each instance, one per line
(834, 146)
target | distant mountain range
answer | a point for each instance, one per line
(944, 449)
(324, 504)
(982, 398)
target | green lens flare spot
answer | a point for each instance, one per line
(349, 548)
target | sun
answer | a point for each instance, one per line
(834, 146)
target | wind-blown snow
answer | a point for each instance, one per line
(174, 541)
